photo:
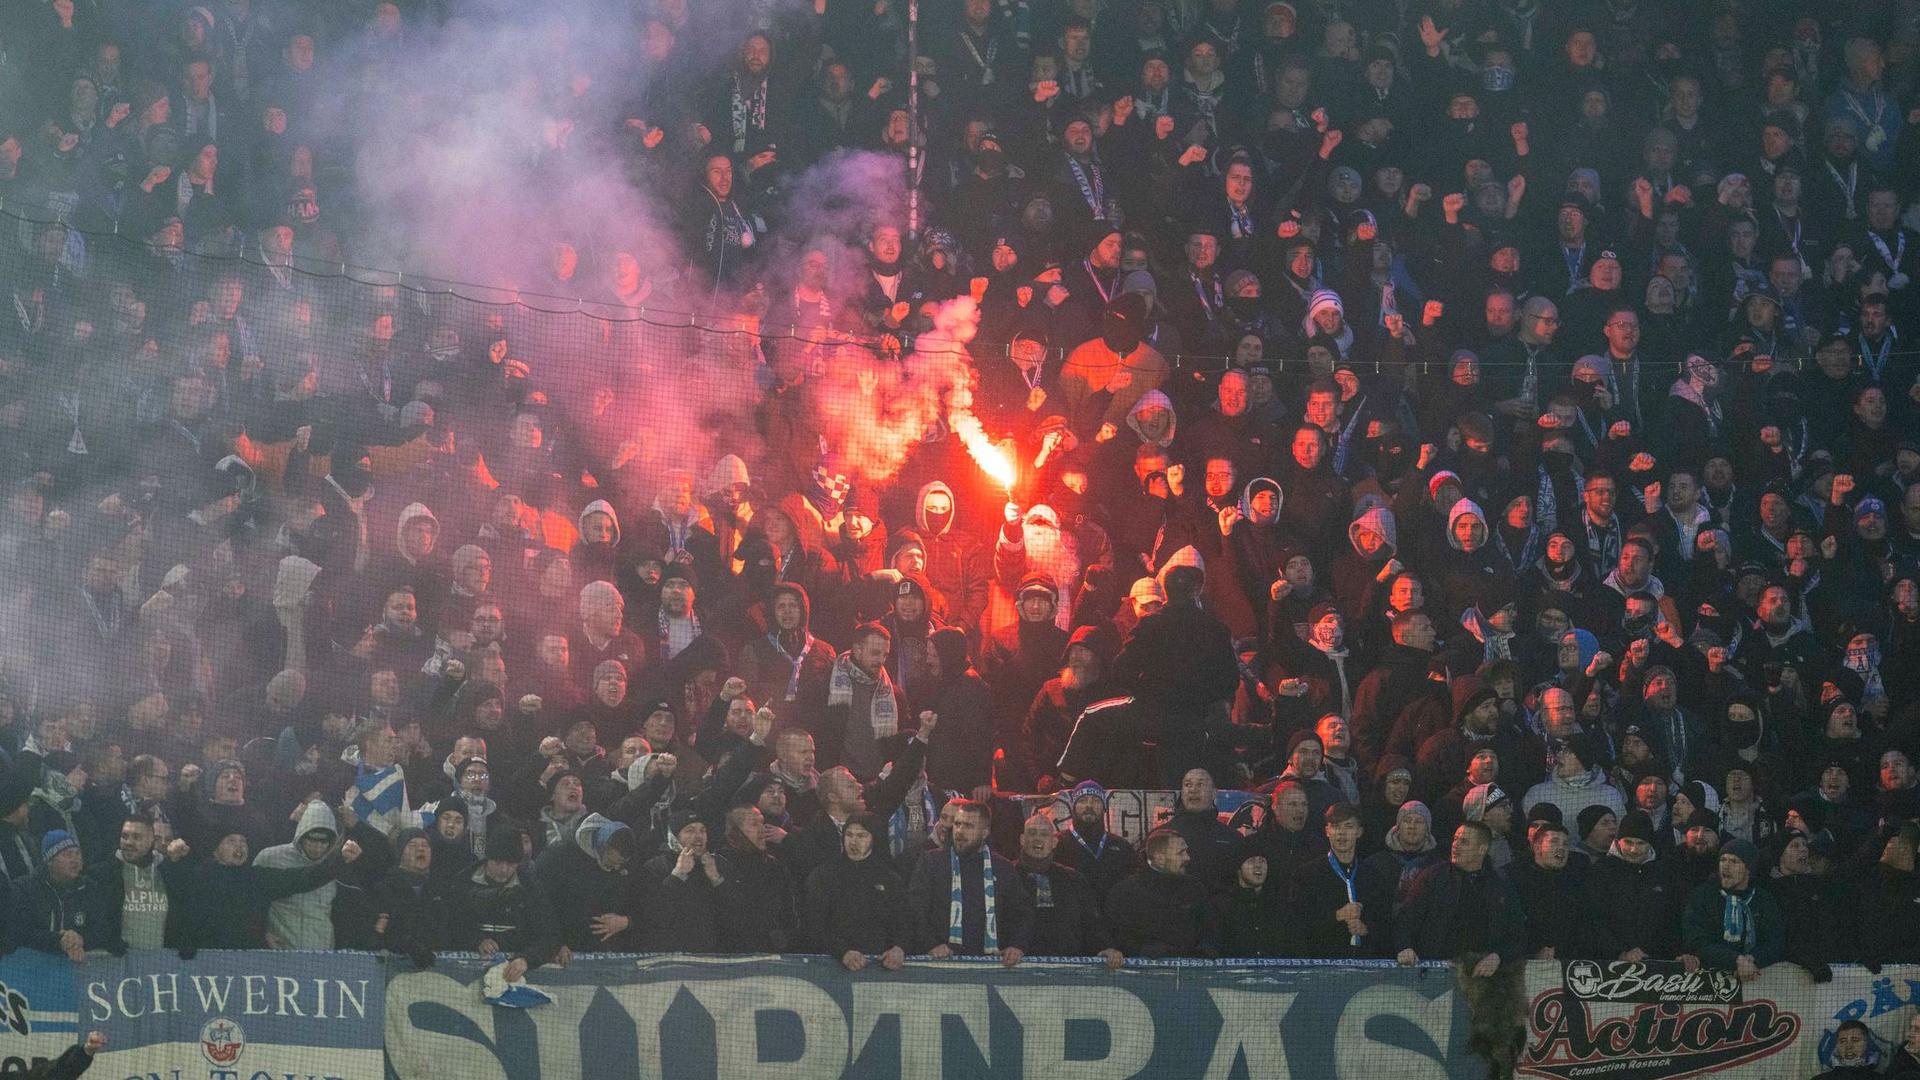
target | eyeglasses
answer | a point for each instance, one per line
(1547, 320)
(1622, 324)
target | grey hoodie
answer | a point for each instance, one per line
(303, 920)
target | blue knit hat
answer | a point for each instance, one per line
(55, 842)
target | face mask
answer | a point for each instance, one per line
(937, 523)
(991, 162)
(1497, 79)
(1862, 660)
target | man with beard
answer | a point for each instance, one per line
(966, 900)
(1032, 759)
(721, 235)
(677, 621)
(1038, 549)
(862, 709)
(1085, 844)
(1066, 912)
(1163, 911)
(787, 669)
(1183, 667)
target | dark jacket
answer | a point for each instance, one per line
(1254, 924)
(1634, 907)
(1889, 916)
(1318, 892)
(1066, 913)
(856, 906)
(1155, 914)
(415, 906)
(580, 887)
(1818, 910)
(1451, 913)
(225, 907)
(1555, 908)
(515, 916)
(1104, 861)
(1705, 915)
(929, 896)
(757, 905)
(41, 911)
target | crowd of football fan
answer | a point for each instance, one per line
(1479, 430)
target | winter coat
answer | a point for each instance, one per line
(1704, 918)
(1449, 913)
(580, 885)
(1066, 913)
(856, 906)
(515, 916)
(303, 920)
(1634, 906)
(1158, 915)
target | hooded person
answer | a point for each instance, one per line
(500, 903)
(957, 563)
(1363, 572)
(415, 562)
(1084, 677)
(304, 920)
(1254, 549)
(962, 758)
(856, 906)
(786, 668)
(596, 557)
(1465, 564)
(727, 503)
(593, 882)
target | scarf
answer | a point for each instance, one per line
(380, 796)
(749, 111)
(883, 713)
(1496, 646)
(990, 932)
(677, 634)
(1736, 918)
(793, 662)
(1347, 874)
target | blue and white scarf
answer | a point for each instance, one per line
(794, 663)
(1347, 876)
(1736, 918)
(956, 905)
(380, 797)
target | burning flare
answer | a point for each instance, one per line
(993, 460)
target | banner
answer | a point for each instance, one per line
(236, 1015)
(1652, 1019)
(1132, 813)
(788, 1018)
(37, 1003)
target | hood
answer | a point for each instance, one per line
(407, 516)
(799, 593)
(1258, 484)
(600, 506)
(1153, 399)
(317, 815)
(596, 834)
(933, 529)
(726, 472)
(1464, 508)
(1379, 520)
(1186, 556)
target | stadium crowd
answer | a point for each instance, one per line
(1478, 433)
